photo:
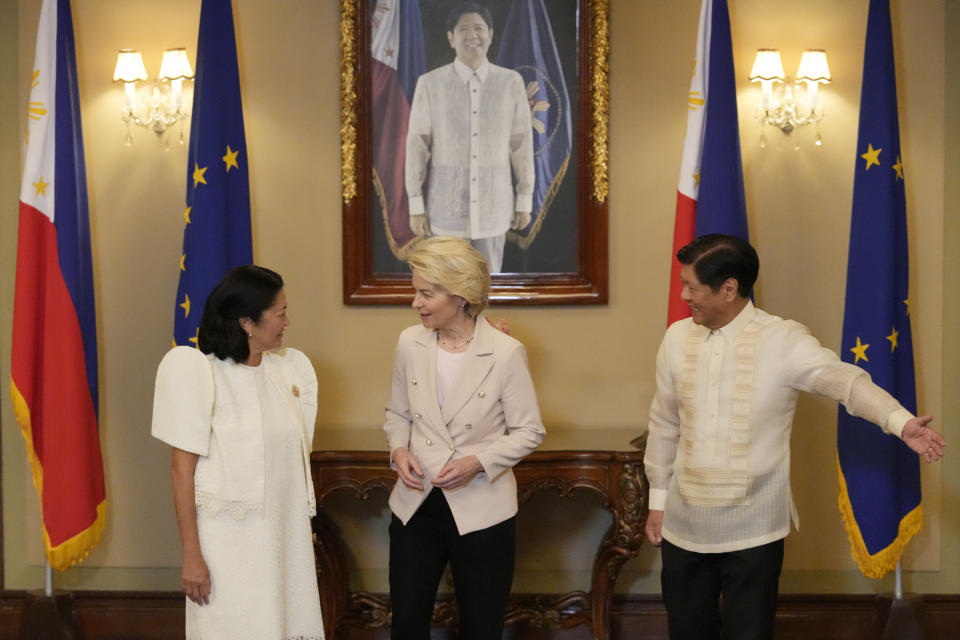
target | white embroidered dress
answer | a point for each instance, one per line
(262, 570)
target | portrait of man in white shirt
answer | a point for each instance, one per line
(469, 169)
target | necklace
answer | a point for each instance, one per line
(451, 346)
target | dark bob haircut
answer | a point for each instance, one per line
(463, 9)
(245, 292)
(716, 257)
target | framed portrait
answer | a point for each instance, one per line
(485, 120)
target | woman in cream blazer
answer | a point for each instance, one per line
(462, 413)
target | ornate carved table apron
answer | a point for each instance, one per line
(601, 462)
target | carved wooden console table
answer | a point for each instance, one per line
(601, 462)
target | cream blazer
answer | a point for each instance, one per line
(490, 411)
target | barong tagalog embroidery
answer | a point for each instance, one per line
(714, 458)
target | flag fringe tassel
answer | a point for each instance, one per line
(884, 561)
(75, 549)
(401, 252)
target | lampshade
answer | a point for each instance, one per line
(813, 66)
(175, 64)
(767, 66)
(129, 66)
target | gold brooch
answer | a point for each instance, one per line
(296, 391)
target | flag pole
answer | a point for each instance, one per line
(898, 581)
(904, 614)
(48, 577)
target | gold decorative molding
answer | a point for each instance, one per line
(349, 37)
(600, 94)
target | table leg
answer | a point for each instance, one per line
(627, 498)
(332, 577)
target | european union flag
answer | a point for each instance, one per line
(879, 474)
(216, 235)
(528, 47)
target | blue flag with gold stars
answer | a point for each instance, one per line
(879, 474)
(528, 47)
(216, 234)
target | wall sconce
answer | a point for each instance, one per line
(162, 104)
(796, 104)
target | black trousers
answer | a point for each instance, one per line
(481, 563)
(747, 580)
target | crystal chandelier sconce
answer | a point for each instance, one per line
(792, 104)
(156, 105)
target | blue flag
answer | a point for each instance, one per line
(879, 474)
(527, 46)
(216, 235)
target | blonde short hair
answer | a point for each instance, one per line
(456, 266)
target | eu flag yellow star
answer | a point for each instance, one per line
(183, 262)
(872, 156)
(860, 351)
(186, 305)
(230, 159)
(186, 216)
(198, 174)
(898, 168)
(196, 339)
(894, 334)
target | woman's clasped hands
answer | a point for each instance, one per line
(453, 475)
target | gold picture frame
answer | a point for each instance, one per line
(583, 278)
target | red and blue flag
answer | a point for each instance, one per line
(397, 60)
(54, 355)
(710, 197)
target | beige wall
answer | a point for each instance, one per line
(799, 204)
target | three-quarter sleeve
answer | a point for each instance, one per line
(183, 400)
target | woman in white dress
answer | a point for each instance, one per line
(239, 413)
(462, 413)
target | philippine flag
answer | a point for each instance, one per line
(710, 195)
(396, 51)
(54, 354)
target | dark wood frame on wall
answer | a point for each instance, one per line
(588, 285)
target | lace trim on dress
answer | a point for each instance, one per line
(214, 504)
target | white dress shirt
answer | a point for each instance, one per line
(469, 153)
(718, 451)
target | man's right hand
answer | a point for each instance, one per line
(419, 225)
(654, 523)
(408, 468)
